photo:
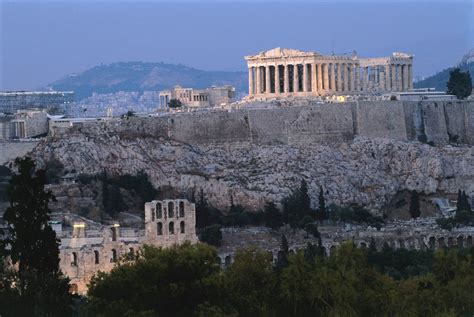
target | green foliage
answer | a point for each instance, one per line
(414, 205)
(273, 218)
(463, 201)
(36, 287)
(171, 282)
(463, 215)
(128, 114)
(186, 281)
(54, 170)
(298, 205)
(459, 83)
(211, 235)
(355, 214)
(175, 103)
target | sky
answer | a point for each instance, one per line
(43, 41)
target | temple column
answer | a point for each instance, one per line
(351, 77)
(357, 78)
(346, 77)
(314, 79)
(410, 77)
(399, 77)
(295, 79)
(339, 78)
(387, 78)
(250, 81)
(394, 78)
(366, 78)
(258, 80)
(326, 77)
(320, 77)
(405, 78)
(277, 79)
(286, 81)
(305, 77)
(268, 80)
(333, 78)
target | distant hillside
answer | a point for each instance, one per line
(140, 76)
(440, 79)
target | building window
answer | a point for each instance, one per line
(159, 228)
(74, 259)
(181, 226)
(171, 228)
(96, 257)
(181, 209)
(159, 211)
(114, 256)
(114, 233)
(170, 210)
(153, 215)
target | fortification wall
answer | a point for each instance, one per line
(12, 149)
(436, 122)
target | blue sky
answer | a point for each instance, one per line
(43, 41)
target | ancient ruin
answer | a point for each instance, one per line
(83, 252)
(284, 73)
(198, 98)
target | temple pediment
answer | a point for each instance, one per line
(282, 52)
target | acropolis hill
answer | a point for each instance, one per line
(360, 152)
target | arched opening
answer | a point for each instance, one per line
(159, 211)
(171, 228)
(170, 210)
(181, 209)
(181, 227)
(96, 257)
(159, 229)
(131, 251)
(270, 256)
(401, 244)
(441, 243)
(228, 261)
(469, 241)
(114, 256)
(450, 241)
(363, 245)
(332, 250)
(432, 243)
(73, 288)
(74, 259)
(114, 233)
(460, 241)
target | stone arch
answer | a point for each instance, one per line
(227, 261)
(159, 229)
(181, 209)
(113, 231)
(324, 251)
(441, 242)
(96, 257)
(171, 227)
(363, 245)
(114, 256)
(131, 251)
(401, 244)
(450, 242)
(270, 256)
(432, 243)
(73, 289)
(159, 211)
(460, 241)
(469, 241)
(170, 209)
(181, 227)
(74, 259)
(332, 250)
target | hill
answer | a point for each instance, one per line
(141, 76)
(440, 79)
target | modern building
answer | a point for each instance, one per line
(54, 102)
(198, 98)
(286, 73)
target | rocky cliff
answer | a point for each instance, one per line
(367, 171)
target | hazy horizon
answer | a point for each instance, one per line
(44, 41)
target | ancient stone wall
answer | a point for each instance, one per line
(436, 122)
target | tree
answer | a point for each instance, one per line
(322, 205)
(211, 235)
(282, 259)
(297, 205)
(272, 216)
(175, 103)
(31, 243)
(463, 202)
(414, 205)
(161, 282)
(459, 84)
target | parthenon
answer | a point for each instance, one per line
(287, 72)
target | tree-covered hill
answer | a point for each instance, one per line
(440, 79)
(141, 76)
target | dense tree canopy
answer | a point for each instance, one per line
(459, 84)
